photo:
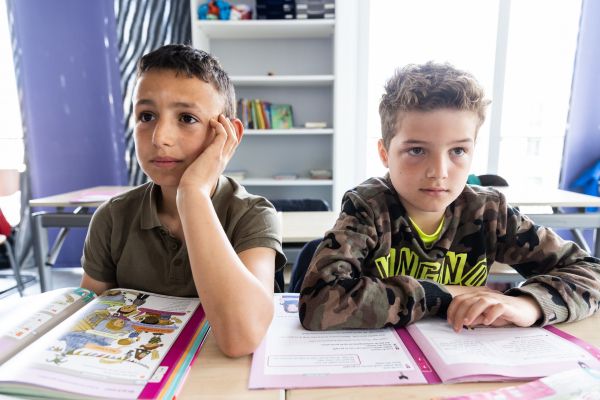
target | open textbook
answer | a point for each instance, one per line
(122, 344)
(428, 351)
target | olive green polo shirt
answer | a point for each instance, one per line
(127, 244)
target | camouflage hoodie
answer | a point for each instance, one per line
(372, 269)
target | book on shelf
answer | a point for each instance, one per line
(275, 9)
(282, 116)
(254, 115)
(261, 122)
(261, 114)
(243, 113)
(70, 343)
(266, 110)
(425, 352)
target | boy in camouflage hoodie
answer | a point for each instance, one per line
(419, 242)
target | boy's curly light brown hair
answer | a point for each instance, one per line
(428, 87)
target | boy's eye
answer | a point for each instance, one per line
(416, 151)
(459, 151)
(188, 119)
(146, 117)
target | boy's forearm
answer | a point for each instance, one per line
(561, 277)
(368, 302)
(238, 305)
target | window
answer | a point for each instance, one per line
(11, 133)
(522, 50)
(542, 40)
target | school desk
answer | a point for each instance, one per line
(74, 209)
(301, 227)
(215, 376)
(212, 375)
(586, 330)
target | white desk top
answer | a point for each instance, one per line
(213, 375)
(93, 197)
(519, 197)
(304, 226)
(299, 227)
(586, 330)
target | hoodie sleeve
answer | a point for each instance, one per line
(561, 277)
(337, 293)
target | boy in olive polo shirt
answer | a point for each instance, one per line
(190, 231)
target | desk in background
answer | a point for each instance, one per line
(298, 227)
(305, 226)
(83, 202)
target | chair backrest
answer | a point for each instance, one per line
(5, 228)
(300, 204)
(492, 180)
(301, 265)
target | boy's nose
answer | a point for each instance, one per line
(438, 168)
(162, 135)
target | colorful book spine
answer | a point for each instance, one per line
(178, 361)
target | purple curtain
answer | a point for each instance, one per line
(582, 141)
(66, 61)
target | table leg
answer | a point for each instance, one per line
(597, 243)
(40, 244)
(580, 240)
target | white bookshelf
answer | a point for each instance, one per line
(254, 29)
(282, 80)
(285, 182)
(309, 64)
(291, 132)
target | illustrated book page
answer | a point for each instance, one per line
(24, 322)
(115, 347)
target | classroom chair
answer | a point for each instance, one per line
(487, 180)
(301, 265)
(15, 242)
(7, 250)
(291, 205)
(300, 204)
(492, 180)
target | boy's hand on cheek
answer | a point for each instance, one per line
(204, 172)
(487, 307)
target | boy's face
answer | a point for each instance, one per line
(429, 159)
(172, 123)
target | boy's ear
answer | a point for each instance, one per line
(239, 128)
(383, 154)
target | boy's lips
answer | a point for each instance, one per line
(165, 161)
(434, 191)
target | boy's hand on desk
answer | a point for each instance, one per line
(488, 307)
(210, 164)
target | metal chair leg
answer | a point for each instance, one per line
(15, 267)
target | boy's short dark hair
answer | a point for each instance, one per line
(190, 62)
(428, 87)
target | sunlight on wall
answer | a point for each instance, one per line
(11, 132)
(537, 90)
